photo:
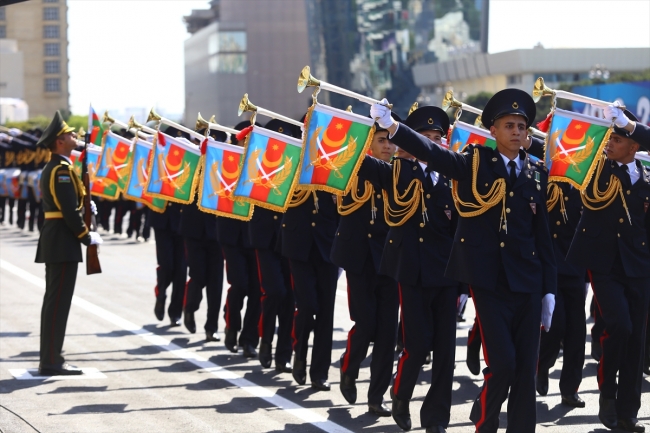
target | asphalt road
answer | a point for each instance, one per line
(153, 378)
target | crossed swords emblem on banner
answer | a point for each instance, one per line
(580, 153)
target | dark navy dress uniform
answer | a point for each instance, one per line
(415, 255)
(8, 161)
(372, 298)
(308, 230)
(172, 263)
(241, 272)
(205, 262)
(568, 324)
(277, 302)
(508, 271)
(615, 249)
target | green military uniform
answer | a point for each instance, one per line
(59, 246)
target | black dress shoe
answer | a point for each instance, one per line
(265, 355)
(174, 321)
(159, 308)
(299, 372)
(249, 351)
(541, 382)
(283, 367)
(596, 350)
(607, 412)
(188, 320)
(573, 400)
(436, 429)
(401, 413)
(348, 388)
(64, 369)
(321, 385)
(630, 424)
(212, 336)
(379, 409)
(230, 341)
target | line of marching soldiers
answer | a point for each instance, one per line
(409, 242)
(411, 248)
(21, 164)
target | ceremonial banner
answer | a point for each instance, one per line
(269, 169)
(11, 186)
(463, 134)
(573, 145)
(114, 162)
(3, 188)
(24, 187)
(34, 182)
(138, 175)
(98, 186)
(172, 171)
(220, 168)
(95, 127)
(644, 157)
(335, 142)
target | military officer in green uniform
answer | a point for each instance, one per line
(59, 245)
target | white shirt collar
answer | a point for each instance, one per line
(517, 161)
(632, 170)
(66, 158)
(434, 174)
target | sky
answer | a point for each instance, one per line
(129, 53)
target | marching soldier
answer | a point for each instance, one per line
(275, 278)
(241, 271)
(308, 229)
(613, 242)
(205, 262)
(420, 211)
(502, 249)
(59, 245)
(170, 254)
(372, 298)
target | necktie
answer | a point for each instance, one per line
(428, 181)
(626, 175)
(513, 173)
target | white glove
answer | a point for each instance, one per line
(548, 305)
(613, 111)
(95, 239)
(93, 207)
(381, 114)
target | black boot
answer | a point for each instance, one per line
(265, 355)
(188, 320)
(401, 413)
(159, 308)
(348, 388)
(607, 412)
(541, 381)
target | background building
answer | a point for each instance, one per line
(35, 31)
(368, 46)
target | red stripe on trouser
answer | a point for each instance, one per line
(187, 287)
(346, 356)
(56, 308)
(488, 376)
(404, 355)
(603, 337)
(260, 324)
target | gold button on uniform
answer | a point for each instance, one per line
(390, 241)
(557, 223)
(314, 211)
(507, 210)
(584, 230)
(275, 217)
(566, 198)
(415, 167)
(511, 193)
(428, 195)
(313, 224)
(421, 224)
(533, 252)
(628, 192)
(502, 244)
(372, 222)
(555, 235)
(462, 239)
(284, 225)
(369, 235)
(378, 195)
(618, 234)
(621, 220)
(421, 240)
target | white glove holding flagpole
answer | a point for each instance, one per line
(613, 111)
(95, 239)
(548, 306)
(93, 207)
(381, 114)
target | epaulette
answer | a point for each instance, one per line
(540, 164)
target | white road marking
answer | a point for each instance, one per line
(267, 395)
(32, 374)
